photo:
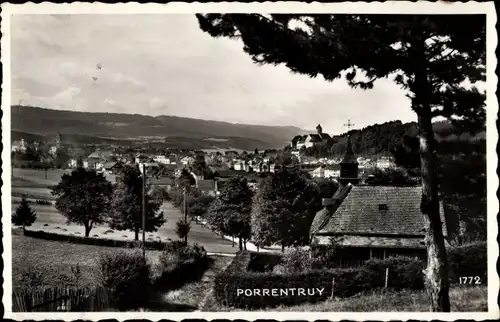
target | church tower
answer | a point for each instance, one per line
(349, 166)
(319, 130)
(58, 140)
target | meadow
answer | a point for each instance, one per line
(33, 185)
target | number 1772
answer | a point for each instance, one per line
(476, 280)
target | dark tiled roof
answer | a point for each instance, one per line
(322, 217)
(315, 137)
(325, 136)
(359, 212)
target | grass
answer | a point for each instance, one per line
(53, 260)
(462, 299)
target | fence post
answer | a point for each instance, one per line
(333, 287)
(386, 276)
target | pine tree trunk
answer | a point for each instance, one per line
(87, 231)
(436, 273)
(282, 248)
(240, 243)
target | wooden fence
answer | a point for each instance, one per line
(60, 300)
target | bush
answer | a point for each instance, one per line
(295, 261)
(180, 264)
(468, 260)
(323, 256)
(126, 278)
(264, 262)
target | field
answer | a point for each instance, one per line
(52, 262)
(33, 185)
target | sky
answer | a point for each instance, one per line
(163, 64)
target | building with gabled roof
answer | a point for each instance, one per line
(310, 140)
(371, 221)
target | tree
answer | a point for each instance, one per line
(429, 56)
(230, 211)
(284, 208)
(256, 152)
(83, 197)
(24, 215)
(126, 205)
(182, 229)
(185, 180)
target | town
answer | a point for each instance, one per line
(177, 174)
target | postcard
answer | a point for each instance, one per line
(276, 160)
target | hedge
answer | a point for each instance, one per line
(151, 245)
(468, 260)
(230, 284)
(250, 271)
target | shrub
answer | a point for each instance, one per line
(296, 261)
(468, 260)
(179, 264)
(323, 256)
(264, 262)
(126, 278)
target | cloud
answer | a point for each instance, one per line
(164, 64)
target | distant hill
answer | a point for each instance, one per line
(101, 127)
(381, 139)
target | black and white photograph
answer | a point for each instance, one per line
(276, 160)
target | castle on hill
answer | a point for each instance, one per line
(310, 140)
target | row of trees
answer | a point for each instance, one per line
(87, 198)
(280, 212)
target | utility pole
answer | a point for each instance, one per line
(185, 207)
(144, 210)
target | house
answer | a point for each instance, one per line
(187, 161)
(367, 222)
(162, 182)
(310, 140)
(140, 158)
(93, 163)
(112, 167)
(163, 159)
(326, 171)
(384, 162)
(207, 187)
(19, 146)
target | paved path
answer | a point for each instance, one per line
(199, 233)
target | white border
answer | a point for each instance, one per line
(440, 7)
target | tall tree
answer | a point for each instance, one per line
(126, 205)
(83, 197)
(24, 215)
(284, 208)
(429, 56)
(230, 212)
